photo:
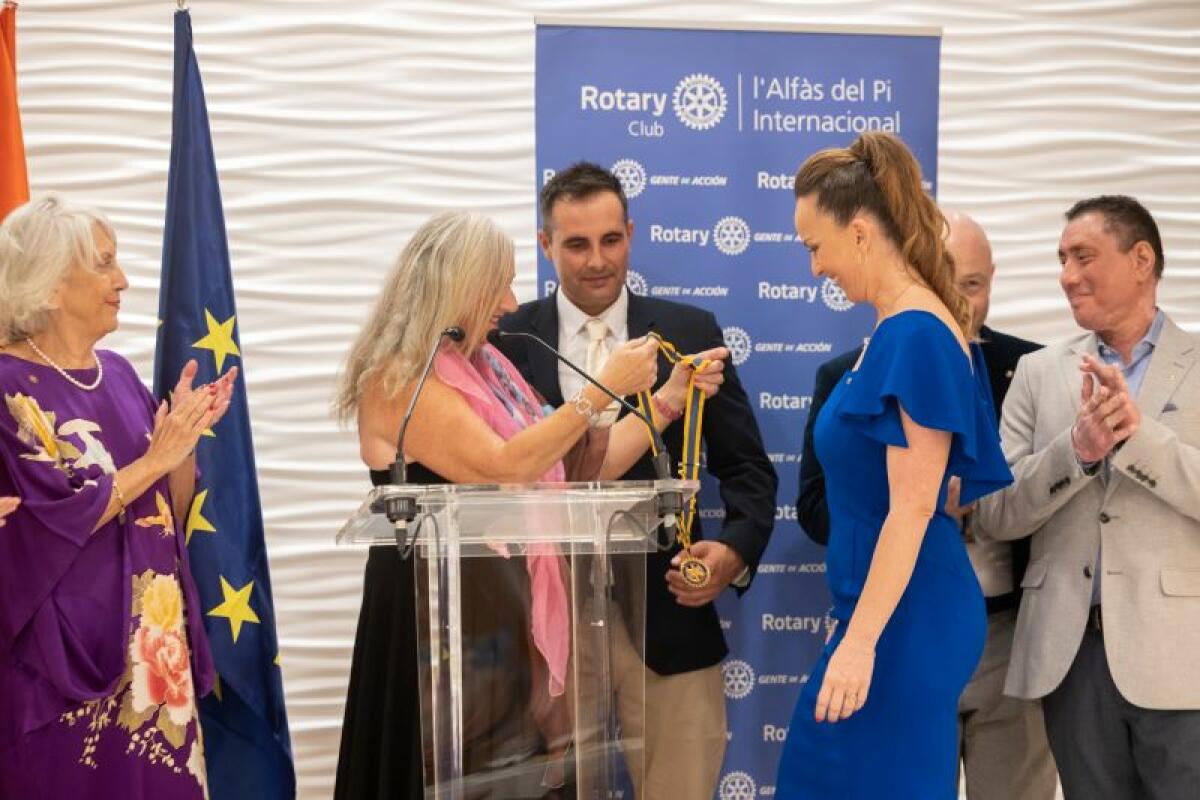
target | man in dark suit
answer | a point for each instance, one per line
(1002, 741)
(586, 233)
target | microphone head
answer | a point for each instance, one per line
(454, 334)
(494, 336)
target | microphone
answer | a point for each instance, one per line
(402, 510)
(670, 503)
(662, 461)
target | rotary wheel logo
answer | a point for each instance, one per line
(637, 283)
(632, 176)
(738, 342)
(737, 786)
(731, 235)
(834, 297)
(699, 101)
(738, 677)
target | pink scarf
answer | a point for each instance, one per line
(551, 624)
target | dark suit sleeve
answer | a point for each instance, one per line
(738, 460)
(1002, 354)
(811, 509)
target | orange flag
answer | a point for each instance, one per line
(14, 180)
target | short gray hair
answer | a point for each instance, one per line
(40, 242)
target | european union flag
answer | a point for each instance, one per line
(246, 739)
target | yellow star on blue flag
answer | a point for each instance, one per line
(196, 520)
(236, 607)
(219, 338)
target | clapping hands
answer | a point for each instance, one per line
(1107, 413)
(220, 390)
(192, 410)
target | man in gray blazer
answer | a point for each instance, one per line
(1103, 436)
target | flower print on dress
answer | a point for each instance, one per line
(158, 652)
(161, 602)
(154, 701)
(162, 675)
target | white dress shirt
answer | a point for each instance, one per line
(573, 338)
(573, 343)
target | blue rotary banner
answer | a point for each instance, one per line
(246, 739)
(706, 129)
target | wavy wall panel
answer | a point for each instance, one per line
(339, 127)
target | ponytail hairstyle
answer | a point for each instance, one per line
(879, 175)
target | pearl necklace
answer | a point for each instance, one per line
(77, 384)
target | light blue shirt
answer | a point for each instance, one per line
(1135, 370)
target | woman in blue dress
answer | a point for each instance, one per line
(877, 718)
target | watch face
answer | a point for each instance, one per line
(585, 409)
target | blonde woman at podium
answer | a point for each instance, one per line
(475, 421)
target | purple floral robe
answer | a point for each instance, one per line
(102, 649)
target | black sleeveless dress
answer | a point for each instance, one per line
(380, 754)
(381, 749)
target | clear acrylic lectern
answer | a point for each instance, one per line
(491, 725)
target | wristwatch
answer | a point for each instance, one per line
(585, 409)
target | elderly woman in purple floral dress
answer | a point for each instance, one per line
(102, 651)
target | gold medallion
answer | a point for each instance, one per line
(695, 572)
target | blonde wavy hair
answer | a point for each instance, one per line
(40, 242)
(450, 273)
(878, 174)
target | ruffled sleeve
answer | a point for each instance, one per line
(44, 536)
(915, 363)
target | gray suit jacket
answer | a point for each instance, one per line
(1146, 514)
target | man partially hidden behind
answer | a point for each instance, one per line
(586, 233)
(1002, 741)
(1103, 436)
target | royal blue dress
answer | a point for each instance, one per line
(902, 744)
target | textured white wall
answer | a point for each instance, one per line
(339, 126)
